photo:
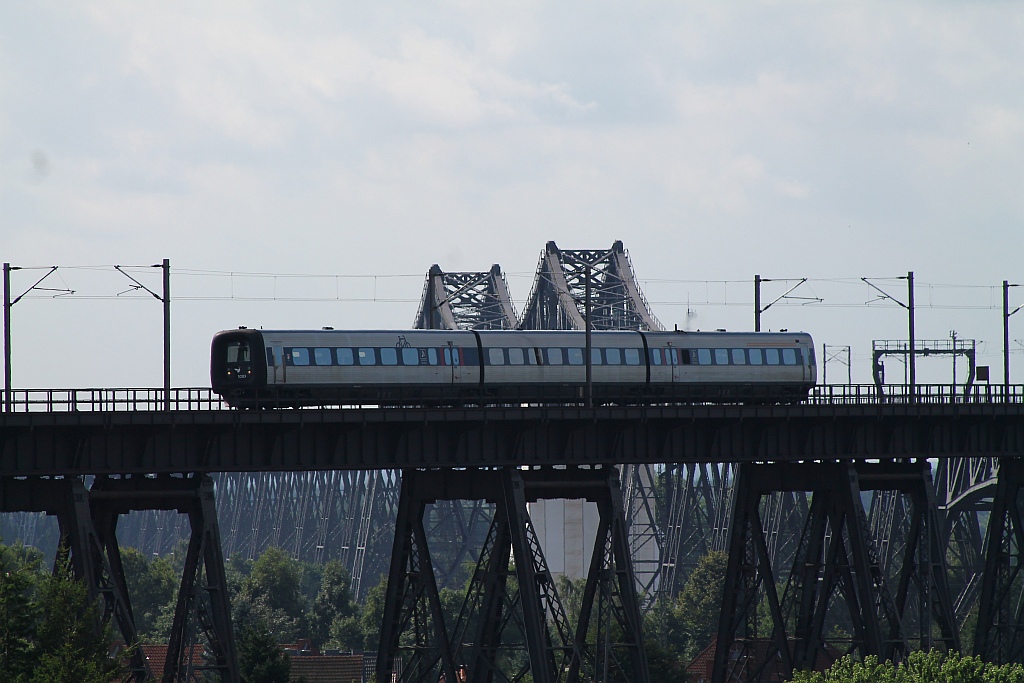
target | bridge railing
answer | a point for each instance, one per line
(121, 400)
(839, 394)
(203, 398)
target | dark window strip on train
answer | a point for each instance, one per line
(495, 356)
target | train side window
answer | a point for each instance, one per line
(410, 356)
(684, 356)
(270, 358)
(322, 356)
(389, 356)
(739, 356)
(345, 356)
(431, 356)
(496, 356)
(655, 355)
(554, 356)
(755, 356)
(367, 356)
(789, 357)
(771, 356)
(704, 356)
(537, 357)
(632, 356)
(672, 356)
(613, 356)
(299, 355)
(515, 357)
(575, 356)
(595, 356)
(721, 356)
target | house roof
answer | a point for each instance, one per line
(327, 669)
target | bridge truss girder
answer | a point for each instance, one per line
(836, 562)
(500, 616)
(88, 522)
(465, 301)
(558, 298)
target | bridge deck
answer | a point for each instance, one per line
(81, 437)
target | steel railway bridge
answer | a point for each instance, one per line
(830, 511)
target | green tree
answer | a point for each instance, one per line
(920, 667)
(260, 659)
(334, 605)
(693, 621)
(373, 613)
(272, 593)
(18, 612)
(152, 585)
(70, 645)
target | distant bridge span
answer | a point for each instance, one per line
(834, 426)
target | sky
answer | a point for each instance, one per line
(303, 164)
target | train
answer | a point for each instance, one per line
(255, 368)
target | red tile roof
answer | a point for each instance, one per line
(328, 669)
(155, 656)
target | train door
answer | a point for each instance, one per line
(453, 359)
(275, 357)
(672, 359)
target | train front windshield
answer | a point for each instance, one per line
(239, 360)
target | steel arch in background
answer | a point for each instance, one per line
(965, 488)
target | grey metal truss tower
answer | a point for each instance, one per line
(465, 301)
(557, 299)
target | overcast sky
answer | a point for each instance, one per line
(832, 141)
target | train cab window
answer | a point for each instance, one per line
(575, 356)
(789, 357)
(410, 356)
(238, 352)
(739, 356)
(322, 356)
(755, 356)
(613, 356)
(771, 356)
(389, 356)
(655, 355)
(299, 356)
(721, 356)
(496, 356)
(632, 356)
(595, 356)
(345, 356)
(703, 356)
(367, 356)
(554, 356)
(515, 357)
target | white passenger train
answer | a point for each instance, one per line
(291, 368)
